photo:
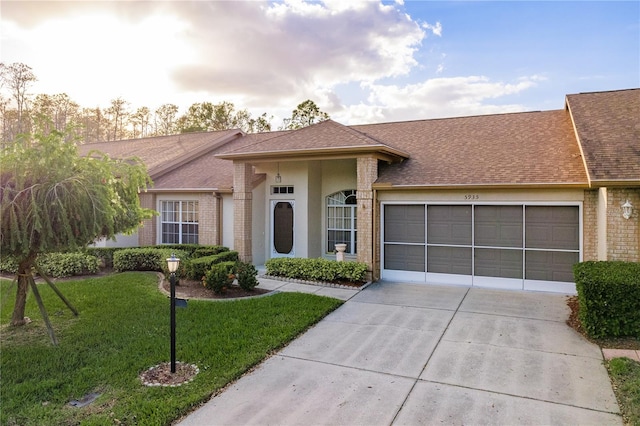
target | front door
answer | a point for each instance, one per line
(282, 228)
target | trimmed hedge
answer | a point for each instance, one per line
(197, 268)
(318, 269)
(103, 254)
(609, 298)
(59, 265)
(148, 259)
(208, 251)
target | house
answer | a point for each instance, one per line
(504, 201)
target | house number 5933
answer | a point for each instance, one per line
(472, 197)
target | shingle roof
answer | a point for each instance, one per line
(508, 150)
(208, 171)
(178, 161)
(535, 148)
(324, 137)
(608, 127)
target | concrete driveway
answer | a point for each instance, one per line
(405, 354)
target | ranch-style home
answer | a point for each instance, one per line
(505, 201)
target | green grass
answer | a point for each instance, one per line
(625, 375)
(122, 330)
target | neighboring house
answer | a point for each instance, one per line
(505, 201)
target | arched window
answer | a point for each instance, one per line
(341, 220)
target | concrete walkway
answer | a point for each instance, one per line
(405, 354)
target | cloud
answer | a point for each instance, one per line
(292, 49)
(437, 98)
(435, 29)
(358, 60)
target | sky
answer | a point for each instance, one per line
(359, 61)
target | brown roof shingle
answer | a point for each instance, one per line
(533, 148)
(178, 161)
(608, 127)
(159, 151)
(326, 136)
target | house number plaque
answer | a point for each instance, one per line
(472, 197)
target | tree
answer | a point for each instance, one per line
(305, 114)
(140, 120)
(18, 77)
(165, 119)
(52, 200)
(118, 112)
(207, 117)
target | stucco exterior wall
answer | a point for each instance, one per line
(227, 220)
(315, 204)
(337, 175)
(258, 224)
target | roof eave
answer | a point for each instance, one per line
(385, 186)
(190, 190)
(382, 151)
(628, 183)
(165, 168)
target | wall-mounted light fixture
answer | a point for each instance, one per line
(627, 210)
(278, 177)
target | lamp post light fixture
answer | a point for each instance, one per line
(627, 210)
(172, 264)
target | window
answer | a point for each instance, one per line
(282, 189)
(341, 220)
(179, 222)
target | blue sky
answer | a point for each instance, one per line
(360, 61)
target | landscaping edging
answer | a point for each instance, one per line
(316, 283)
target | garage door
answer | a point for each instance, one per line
(502, 246)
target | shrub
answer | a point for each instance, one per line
(317, 269)
(609, 298)
(186, 249)
(208, 251)
(220, 276)
(148, 259)
(103, 254)
(196, 268)
(246, 274)
(8, 264)
(59, 265)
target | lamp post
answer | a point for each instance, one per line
(172, 265)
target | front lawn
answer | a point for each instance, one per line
(122, 330)
(625, 375)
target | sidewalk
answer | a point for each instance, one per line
(399, 353)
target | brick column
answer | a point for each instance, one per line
(590, 225)
(208, 215)
(242, 199)
(147, 232)
(367, 174)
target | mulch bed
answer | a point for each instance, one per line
(161, 375)
(192, 289)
